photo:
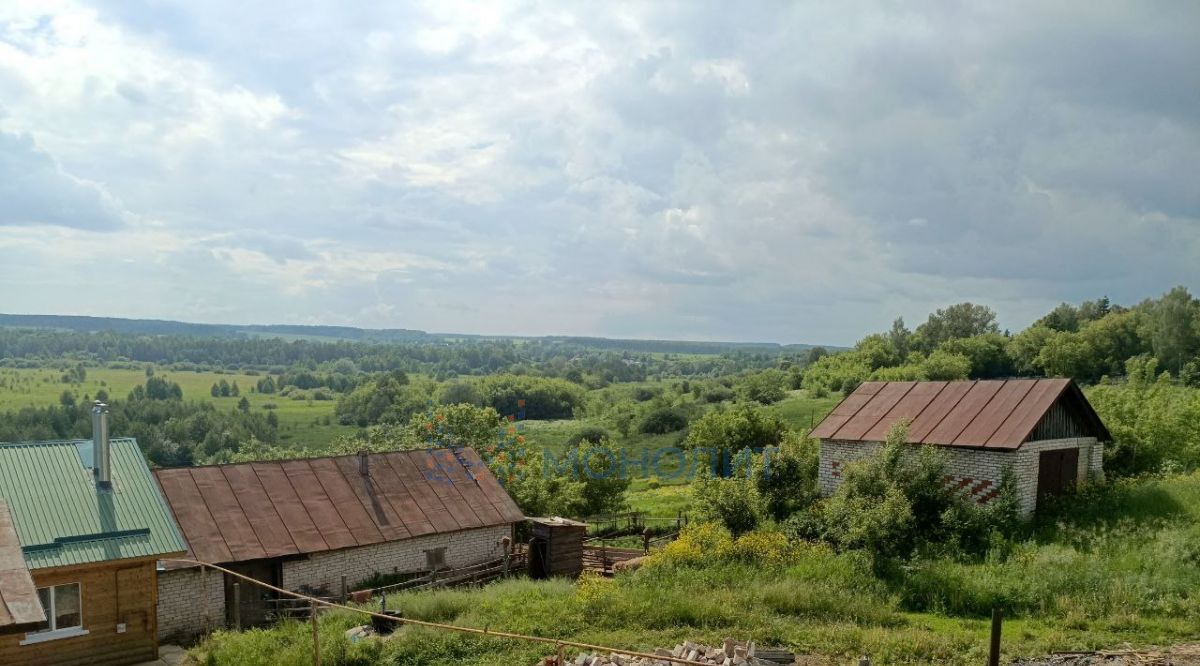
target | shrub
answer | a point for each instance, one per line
(662, 421)
(764, 387)
(591, 434)
(734, 502)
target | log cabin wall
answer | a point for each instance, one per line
(122, 591)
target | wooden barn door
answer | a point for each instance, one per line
(1057, 472)
(255, 601)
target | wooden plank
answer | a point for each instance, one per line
(259, 510)
(321, 510)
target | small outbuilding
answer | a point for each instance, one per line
(556, 547)
(1044, 430)
(82, 526)
(304, 524)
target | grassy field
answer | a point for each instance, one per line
(301, 422)
(1119, 567)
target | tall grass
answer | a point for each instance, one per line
(1120, 565)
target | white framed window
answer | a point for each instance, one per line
(64, 614)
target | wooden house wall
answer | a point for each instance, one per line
(111, 593)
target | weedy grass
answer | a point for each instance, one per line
(1127, 574)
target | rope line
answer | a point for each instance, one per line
(437, 625)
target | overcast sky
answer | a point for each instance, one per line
(795, 172)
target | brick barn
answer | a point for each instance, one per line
(1044, 430)
(303, 524)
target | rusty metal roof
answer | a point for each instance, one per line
(247, 511)
(19, 603)
(993, 414)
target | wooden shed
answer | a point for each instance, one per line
(78, 545)
(556, 547)
(1043, 431)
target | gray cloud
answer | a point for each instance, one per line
(36, 191)
(792, 172)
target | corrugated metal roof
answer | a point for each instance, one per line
(994, 414)
(245, 511)
(62, 519)
(19, 603)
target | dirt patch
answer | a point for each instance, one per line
(1179, 655)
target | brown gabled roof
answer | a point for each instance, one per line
(994, 414)
(247, 511)
(19, 605)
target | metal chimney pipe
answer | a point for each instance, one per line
(364, 464)
(101, 454)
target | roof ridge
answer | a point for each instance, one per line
(282, 460)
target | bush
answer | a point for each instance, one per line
(590, 434)
(718, 394)
(662, 421)
(896, 501)
(764, 387)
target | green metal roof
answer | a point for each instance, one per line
(62, 518)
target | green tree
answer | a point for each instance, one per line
(962, 320)
(1175, 328)
(946, 366)
(243, 405)
(725, 431)
(460, 392)
(765, 387)
(900, 338)
(458, 424)
(988, 354)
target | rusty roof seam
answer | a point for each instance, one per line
(889, 410)
(1000, 422)
(924, 440)
(238, 499)
(932, 399)
(299, 500)
(274, 509)
(422, 480)
(325, 490)
(982, 409)
(424, 516)
(1057, 396)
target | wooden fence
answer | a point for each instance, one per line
(474, 574)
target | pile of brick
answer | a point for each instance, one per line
(730, 653)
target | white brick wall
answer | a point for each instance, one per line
(324, 570)
(180, 607)
(975, 472)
